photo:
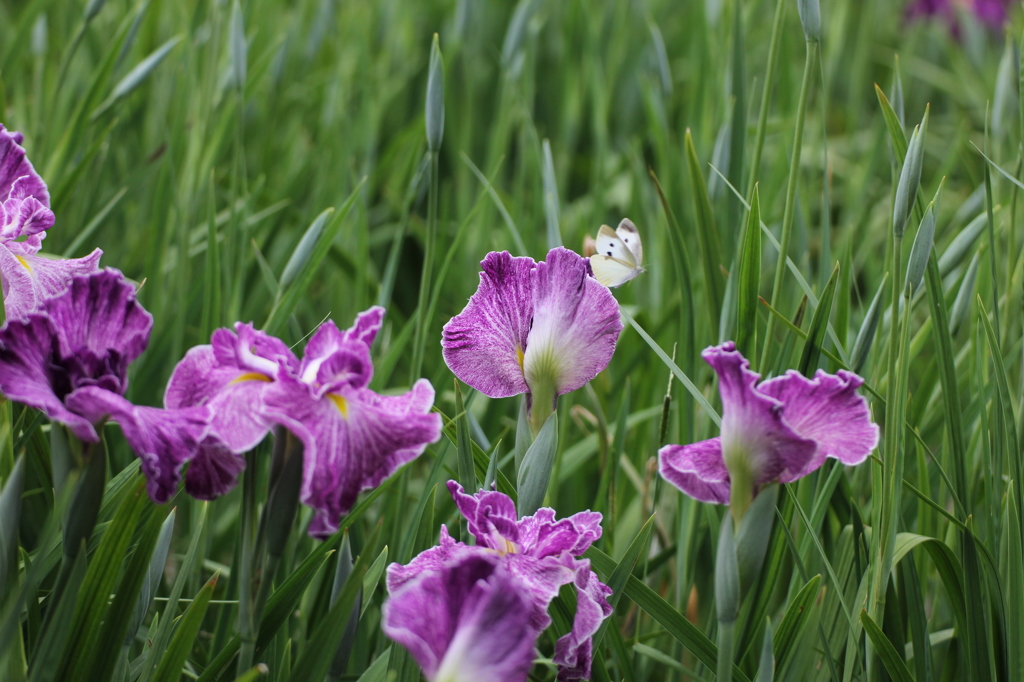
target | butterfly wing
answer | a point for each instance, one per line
(611, 271)
(628, 234)
(610, 245)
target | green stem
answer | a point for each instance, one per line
(766, 94)
(892, 465)
(787, 215)
(422, 324)
(247, 561)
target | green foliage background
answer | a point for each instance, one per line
(200, 177)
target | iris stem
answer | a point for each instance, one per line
(766, 94)
(787, 215)
(246, 603)
(422, 323)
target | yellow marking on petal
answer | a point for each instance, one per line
(29, 268)
(339, 402)
(251, 376)
(519, 357)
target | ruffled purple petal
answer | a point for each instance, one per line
(697, 469)
(491, 515)
(752, 422)
(336, 359)
(543, 577)
(16, 169)
(101, 326)
(484, 345)
(30, 280)
(213, 471)
(468, 621)
(353, 440)
(574, 650)
(433, 559)
(575, 324)
(366, 326)
(163, 439)
(24, 216)
(251, 350)
(29, 349)
(828, 410)
(234, 396)
(541, 535)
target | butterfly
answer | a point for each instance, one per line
(620, 255)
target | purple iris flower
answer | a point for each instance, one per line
(992, 13)
(455, 638)
(25, 215)
(353, 438)
(70, 359)
(780, 429)
(540, 328)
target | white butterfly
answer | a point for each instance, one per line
(620, 255)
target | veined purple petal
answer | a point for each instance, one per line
(29, 280)
(101, 326)
(251, 350)
(484, 345)
(15, 167)
(234, 396)
(353, 439)
(752, 422)
(491, 516)
(434, 559)
(336, 359)
(468, 621)
(543, 576)
(575, 324)
(29, 349)
(828, 410)
(163, 439)
(697, 469)
(213, 471)
(574, 650)
(24, 216)
(541, 535)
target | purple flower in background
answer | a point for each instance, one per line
(25, 215)
(540, 328)
(538, 553)
(353, 438)
(993, 13)
(779, 429)
(70, 360)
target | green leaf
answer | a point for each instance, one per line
(239, 47)
(322, 644)
(136, 76)
(766, 666)
(621, 573)
(749, 281)
(125, 604)
(289, 300)
(54, 638)
(685, 632)
(894, 664)
(303, 251)
(910, 178)
(185, 571)
(551, 197)
(372, 577)
(435, 97)
(794, 622)
(173, 660)
(464, 444)
(104, 568)
(535, 474)
(10, 514)
(753, 534)
(707, 235)
(378, 670)
(819, 322)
